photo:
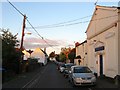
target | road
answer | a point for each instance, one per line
(50, 77)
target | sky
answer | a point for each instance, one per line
(61, 24)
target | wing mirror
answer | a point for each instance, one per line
(96, 75)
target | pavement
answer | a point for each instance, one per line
(23, 79)
(106, 82)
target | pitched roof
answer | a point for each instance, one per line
(106, 6)
(82, 43)
(44, 52)
(113, 8)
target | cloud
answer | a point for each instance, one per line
(32, 43)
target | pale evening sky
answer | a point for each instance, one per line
(69, 17)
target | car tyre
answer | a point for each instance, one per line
(68, 79)
(72, 82)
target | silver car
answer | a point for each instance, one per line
(81, 76)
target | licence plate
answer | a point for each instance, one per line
(86, 81)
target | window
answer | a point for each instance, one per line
(82, 70)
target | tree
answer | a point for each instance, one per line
(62, 57)
(52, 55)
(57, 57)
(10, 54)
(72, 55)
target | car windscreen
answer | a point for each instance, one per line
(82, 70)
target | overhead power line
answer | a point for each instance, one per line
(67, 23)
(34, 29)
(70, 24)
(61, 23)
(28, 22)
(15, 8)
(38, 33)
(96, 2)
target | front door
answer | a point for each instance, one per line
(101, 65)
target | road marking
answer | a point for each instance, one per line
(31, 80)
(40, 76)
(35, 78)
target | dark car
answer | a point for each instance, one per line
(59, 64)
(2, 69)
(67, 68)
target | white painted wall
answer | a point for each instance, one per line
(37, 53)
(102, 32)
(118, 26)
(82, 51)
(102, 21)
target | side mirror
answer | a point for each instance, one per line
(95, 74)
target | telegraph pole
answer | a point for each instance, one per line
(23, 29)
(21, 45)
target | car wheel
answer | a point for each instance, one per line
(95, 85)
(68, 80)
(72, 82)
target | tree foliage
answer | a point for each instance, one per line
(62, 57)
(10, 54)
(72, 55)
(52, 55)
(57, 57)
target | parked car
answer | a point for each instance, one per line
(2, 69)
(81, 76)
(67, 69)
(62, 68)
(59, 64)
(56, 62)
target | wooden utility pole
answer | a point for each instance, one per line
(23, 29)
(21, 46)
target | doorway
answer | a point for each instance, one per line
(101, 64)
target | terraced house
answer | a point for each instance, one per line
(81, 50)
(103, 41)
